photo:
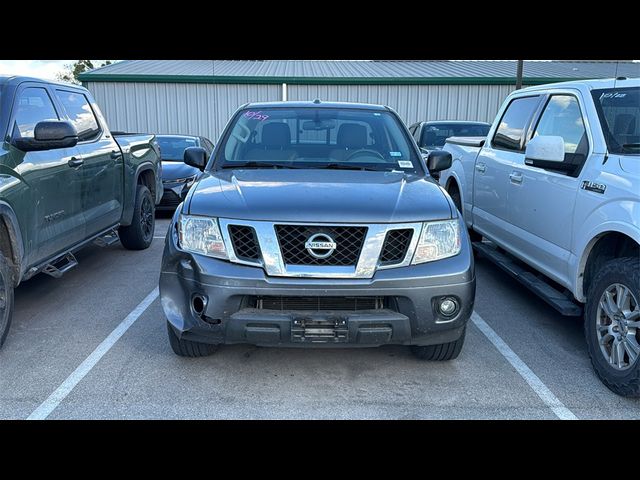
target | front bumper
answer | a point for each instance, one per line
(173, 194)
(412, 320)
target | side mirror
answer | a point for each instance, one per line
(195, 157)
(544, 149)
(438, 160)
(48, 135)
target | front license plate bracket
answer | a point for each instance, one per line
(333, 329)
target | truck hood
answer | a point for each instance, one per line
(324, 196)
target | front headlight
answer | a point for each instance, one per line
(188, 180)
(201, 235)
(438, 240)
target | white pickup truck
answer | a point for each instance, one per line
(554, 189)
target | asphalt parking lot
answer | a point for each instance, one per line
(521, 360)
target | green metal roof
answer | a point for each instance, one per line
(462, 72)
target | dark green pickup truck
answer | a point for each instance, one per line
(66, 181)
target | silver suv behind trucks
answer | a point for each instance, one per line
(317, 224)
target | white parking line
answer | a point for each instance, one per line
(50, 404)
(553, 402)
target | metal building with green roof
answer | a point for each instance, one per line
(198, 96)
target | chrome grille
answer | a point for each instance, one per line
(395, 246)
(349, 241)
(358, 255)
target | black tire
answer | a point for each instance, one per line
(6, 298)
(624, 271)
(187, 348)
(454, 193)
(139, 234)
(441, 352)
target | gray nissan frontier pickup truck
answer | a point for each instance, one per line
(317, 224)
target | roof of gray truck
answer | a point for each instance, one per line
(316, 104)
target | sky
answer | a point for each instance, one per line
(33, 68)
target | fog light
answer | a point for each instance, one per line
(448, 307)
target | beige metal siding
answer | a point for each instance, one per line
(204, 109)
(415, 102)
(187, 108)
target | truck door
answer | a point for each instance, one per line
(52, 204)
(542, 199)
(496, 160)
(102, 182)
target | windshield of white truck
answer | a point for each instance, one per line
(308, 137)
(619, 112)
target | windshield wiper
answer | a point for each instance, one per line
(631, 145)
(253, 164)
(342, 166)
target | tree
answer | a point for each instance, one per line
(72, 70)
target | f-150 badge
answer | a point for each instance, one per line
(593, 186)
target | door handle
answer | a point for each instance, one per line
(75, 162)
(481, 167)
(115, 154)
(515, 177)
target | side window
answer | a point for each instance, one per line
(207, 145)
(429, 136)
(511, 129)
(33, 106)
(562, 117)
(416, 134)
(80, 113)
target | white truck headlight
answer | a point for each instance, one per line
(201, 235)
(438, 240)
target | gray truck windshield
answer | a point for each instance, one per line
(619, 112)
(307, 137)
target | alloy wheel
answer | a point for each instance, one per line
(146, 218)
(618, 325)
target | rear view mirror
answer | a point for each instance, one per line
(544, 148)
(48, 135)
(319, 125)
(195, 157)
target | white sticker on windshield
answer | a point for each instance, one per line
(395, 154)
(405, 164)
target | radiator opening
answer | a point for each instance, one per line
(320, 303)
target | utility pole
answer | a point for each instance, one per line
(519, 75)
